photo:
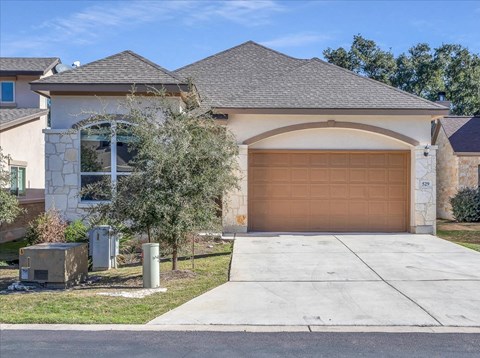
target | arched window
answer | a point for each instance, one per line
(104, 157)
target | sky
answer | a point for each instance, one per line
(176, 33)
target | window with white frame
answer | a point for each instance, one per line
(18, 180)
(7, 91)
(104, 158)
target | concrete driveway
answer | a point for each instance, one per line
(374, 279)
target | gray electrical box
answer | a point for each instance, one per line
(104, 246)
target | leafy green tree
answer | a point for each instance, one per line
(9, 207)
(366, 58)
(422, 71)
(182, 164)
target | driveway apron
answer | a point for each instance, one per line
(368, 279)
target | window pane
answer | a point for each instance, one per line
(95, 187)
(125, 153)
(96, 149)
(21, 181)
(7, 91)
(14, 180)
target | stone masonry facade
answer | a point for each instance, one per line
(454, 172)
(62, 173)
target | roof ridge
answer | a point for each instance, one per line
(154, 65)
(378, 82)
(233, 48)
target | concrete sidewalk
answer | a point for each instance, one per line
(341, 280)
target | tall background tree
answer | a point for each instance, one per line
(423, 71)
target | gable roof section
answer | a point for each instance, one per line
(251, 76)
(236, 70)
(463, 133)
(116, 72)
(34, 66)
(11, 117)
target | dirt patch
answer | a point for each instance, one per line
(447, 225)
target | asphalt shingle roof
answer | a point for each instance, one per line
(462, 132)
(10, 115)
(253, 76)
(125, 67)
(27, 64)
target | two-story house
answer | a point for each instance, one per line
(23, 116)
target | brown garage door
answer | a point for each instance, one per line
(328, 191)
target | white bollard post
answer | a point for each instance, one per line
(151, 265)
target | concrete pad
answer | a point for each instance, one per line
(333, 266)
(453, 303)
(288, 244)
(425, 266)
(380, 243)
(299, 303)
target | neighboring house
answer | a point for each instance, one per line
(458, 159)
(23, 116)
(321, 148)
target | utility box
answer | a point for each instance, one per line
(56, 265)
(104, 246)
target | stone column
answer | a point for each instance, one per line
(62, 172)
(235, 204)
(424, 190)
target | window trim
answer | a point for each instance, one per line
(13, 91)
(113, 158)
(19, 193)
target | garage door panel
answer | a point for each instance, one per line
(339, 191)
(320, 191)
(300, 175)
(320, 175)
(328, 191)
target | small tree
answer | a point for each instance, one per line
(182, 164)
(9, 207)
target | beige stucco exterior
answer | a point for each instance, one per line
(455, 171)
(62, 153)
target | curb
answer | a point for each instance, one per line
(238, 328)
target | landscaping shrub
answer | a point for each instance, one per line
(76, 231)
(47, 227)
(466, 205)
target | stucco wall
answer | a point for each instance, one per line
(24, 97)
(65, 111)
(26, 143)
(245, 126)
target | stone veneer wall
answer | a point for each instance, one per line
(423, 218)
(62, 173)
(235, 205)
(468, 171)
(447, 176)
(424, 197)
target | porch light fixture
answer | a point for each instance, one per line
(426, 151)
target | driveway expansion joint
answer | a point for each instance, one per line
(390, 285)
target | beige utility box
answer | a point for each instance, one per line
(57, 265)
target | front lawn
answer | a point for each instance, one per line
(465, 234)
(83, 305)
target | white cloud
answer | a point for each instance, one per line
(91, 23)
(296, 40)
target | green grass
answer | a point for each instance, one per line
(467, 238)
(85, 306)
(9, 250)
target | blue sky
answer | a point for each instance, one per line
(175, 33)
